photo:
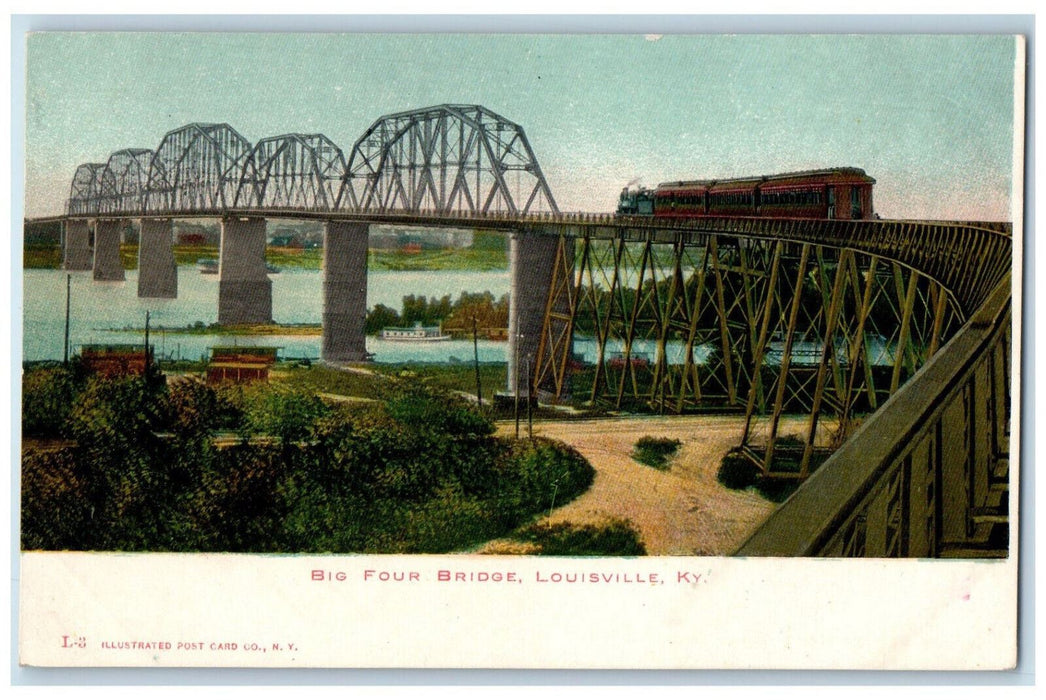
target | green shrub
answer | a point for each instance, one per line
(655, 451)
(428, 408)
(535, 476)
(776, 490)
(282, 412)
(737, 471)
(48, 396)
(418, 472)
(54, 512)
(614, 538)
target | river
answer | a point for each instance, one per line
(100, 309)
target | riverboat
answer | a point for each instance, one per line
(417, 334)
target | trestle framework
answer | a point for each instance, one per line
(928, 475)
(770, 328)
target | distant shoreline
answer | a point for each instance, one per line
(49, 257)
(263, 329)
(301, 329)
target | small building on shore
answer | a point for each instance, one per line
(114, 359)
(239, 365)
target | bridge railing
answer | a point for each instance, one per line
(927, 475)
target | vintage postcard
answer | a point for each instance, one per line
(521, 351)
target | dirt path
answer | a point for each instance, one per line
(682, 511)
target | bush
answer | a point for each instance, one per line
(431, 409)
(776, 490)
(614, 538)
(737, 471)
(54, 512)
(655, 451)
(48, 396)
(534, 476)
(284, 413)
(418, 472)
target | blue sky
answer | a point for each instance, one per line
(930, 117)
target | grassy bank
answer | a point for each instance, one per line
(49, 257)
(41, 257)
(200, 328)
(459, 377)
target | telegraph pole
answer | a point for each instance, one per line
(475, 358)
(65, 348)
(146, 344)
(515, 382)
(530, 405)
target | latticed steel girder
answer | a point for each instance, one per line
(197, 168)
(296, 171)
(448, 158)
(460, 158)
(967, 260)
(125, 182)
(85, 192)
(768, 327)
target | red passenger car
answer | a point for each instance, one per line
(836, 193)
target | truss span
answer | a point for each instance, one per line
(447, 158)
(85, 191)
(296, 171)
(125, 181)
(463, 159)
(197, 168)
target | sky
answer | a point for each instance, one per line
(929, 116)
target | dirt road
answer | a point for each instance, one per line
(682, 511)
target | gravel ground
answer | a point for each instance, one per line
(681, 511)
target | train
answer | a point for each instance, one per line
(832, 193)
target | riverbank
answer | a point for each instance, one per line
(199, 328)
(49, 257)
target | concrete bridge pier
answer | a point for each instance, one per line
(344, 291)
(532, 266)
(107, 265)
(244, 287)
(76, 245)
(157, 270)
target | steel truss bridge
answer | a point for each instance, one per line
(891, 338)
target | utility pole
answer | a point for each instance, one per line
(146, 344)
(65, 348)
(515, 382)
(475, 358)
(530, 405)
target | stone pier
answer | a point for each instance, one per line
(157, 270)
(76, 245)
(344, 291)
(531, 262)
(107, 265)
(244, 287)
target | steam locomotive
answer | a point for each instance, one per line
(836, 193)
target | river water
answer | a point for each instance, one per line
(100, 309)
